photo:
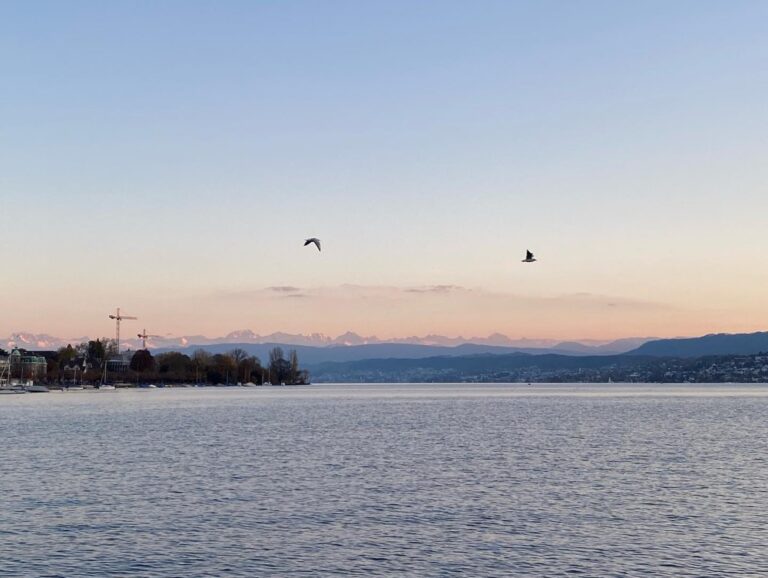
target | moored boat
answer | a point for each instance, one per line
(36, 388)
(11, 390)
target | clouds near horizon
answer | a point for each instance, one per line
(391, 311)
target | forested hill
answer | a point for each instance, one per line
(714, 344)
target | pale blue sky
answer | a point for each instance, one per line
(162, 155)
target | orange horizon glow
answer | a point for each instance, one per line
(387, 312)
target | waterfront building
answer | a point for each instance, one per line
(120, 363)
(22, 365)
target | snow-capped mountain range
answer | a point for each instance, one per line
(47, 342)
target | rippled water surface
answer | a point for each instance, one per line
(386, 480)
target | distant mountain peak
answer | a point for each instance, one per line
(350, 338)
(241, 334)
(38, 341)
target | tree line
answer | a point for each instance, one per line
(86, 363)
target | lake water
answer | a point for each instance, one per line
(424, 480)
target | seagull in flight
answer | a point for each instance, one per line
(314, 240)
(529, 258)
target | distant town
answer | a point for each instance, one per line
(553, 369)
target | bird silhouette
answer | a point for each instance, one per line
(529, 258)
(314, 240)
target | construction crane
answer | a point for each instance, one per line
(118, 318)
(143, 336)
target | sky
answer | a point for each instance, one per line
(170, 157)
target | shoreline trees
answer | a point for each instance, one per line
(85, 363)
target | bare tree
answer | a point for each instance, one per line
(294, 371)
(238, 355)
(277, 365)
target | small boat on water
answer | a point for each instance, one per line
(36, 388)
(11, 390)
(27, 386)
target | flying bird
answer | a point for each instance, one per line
(314, 240)
(529, 258)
